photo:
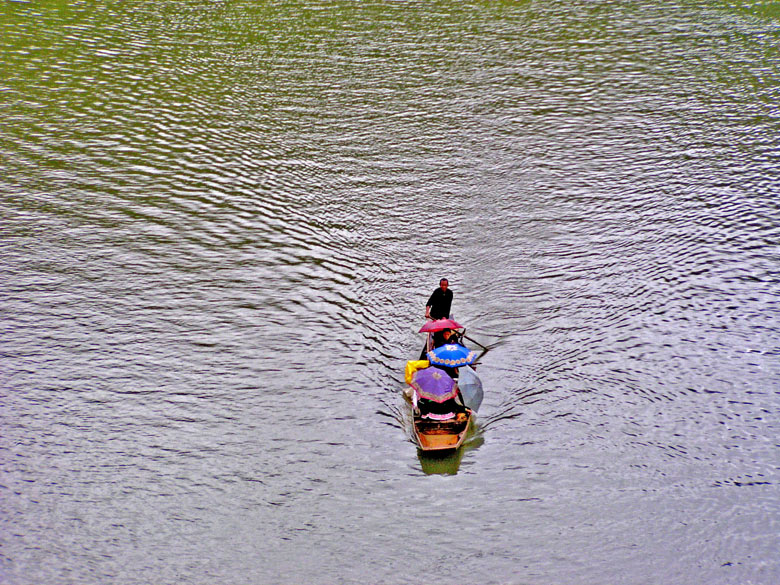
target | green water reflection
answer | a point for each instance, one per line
(448, 462)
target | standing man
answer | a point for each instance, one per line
(438, 306)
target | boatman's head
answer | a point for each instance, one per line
(444, 283)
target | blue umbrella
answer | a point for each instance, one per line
(434, 384)
(452, 355)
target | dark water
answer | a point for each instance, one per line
(220, 222)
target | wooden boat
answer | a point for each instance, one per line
(436, 433)
(442, 435)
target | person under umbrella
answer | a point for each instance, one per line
(440, 338)
(436, 395)
(444, 337)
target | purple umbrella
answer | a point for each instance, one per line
(434, 384)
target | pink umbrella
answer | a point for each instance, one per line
(440, 325)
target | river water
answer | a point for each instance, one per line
(220, 224)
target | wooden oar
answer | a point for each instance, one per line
(474, 340)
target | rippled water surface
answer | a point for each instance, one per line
(220, 222)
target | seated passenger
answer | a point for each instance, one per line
(441, 410)
(444, 337)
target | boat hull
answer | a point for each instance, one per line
(446, 435)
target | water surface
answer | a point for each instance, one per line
(220, 224)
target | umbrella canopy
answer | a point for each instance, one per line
(452, 355)
(470, 388)
(412, 366)
(440, 325)
(434, 384)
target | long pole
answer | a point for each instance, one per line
(475, 341)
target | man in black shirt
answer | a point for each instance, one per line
(438, 306)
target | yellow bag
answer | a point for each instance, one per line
(413, 366)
